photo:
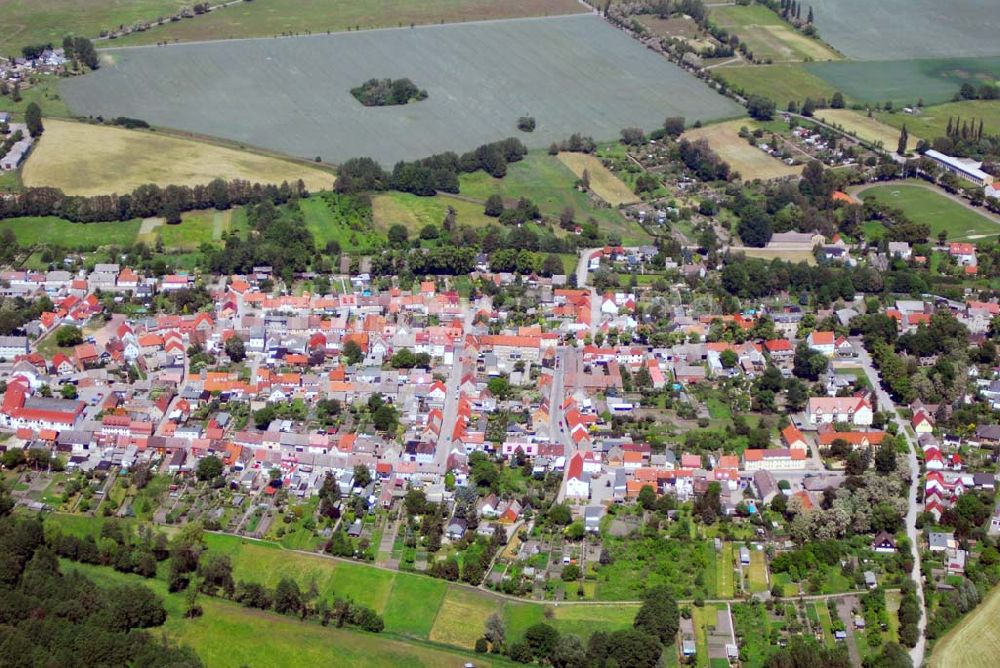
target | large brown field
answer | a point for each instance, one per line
(83, 159)
(749, 161)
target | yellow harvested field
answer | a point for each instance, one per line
(868, 129)
(975, 642)
(84, 159)
(751, 162)
(603, 182)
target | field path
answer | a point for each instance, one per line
(516, 599)
(855, 192)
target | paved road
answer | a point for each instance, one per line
(451, 398)
(886, 404)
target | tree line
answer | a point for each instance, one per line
(428, 176)
(194, 569)
(146, 201)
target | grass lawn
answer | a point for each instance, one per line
(758, 571)
(749, 161)
(79, 236)
(932, 122)
(547, 182)
(603, 182)
(413, 605)
(85, 159)
(868, 129)
(873, 229)
(462, 616)
(44, 91)
(266, 563)
(416, 212)
(316, 16)
(824, 620)
(769, 37)
(788, 587)
(583, 620)
(326, 226)
(10, 181)
(924, 205)
(724, 572)
(781, 83)
(892, 600)
(196, 228)
(230, 635)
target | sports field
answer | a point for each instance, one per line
(603, 182)
(572, 73)
(923, 205)
(975, 642)
(768, 36)
(749, 161)
(899, 29)
(904, 82)
(24, 22)
(868, 129)
(83, 159)
(932, 122)
(265, 18)
(780, 83)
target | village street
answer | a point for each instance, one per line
(886, 404)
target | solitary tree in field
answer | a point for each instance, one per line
(904, 138)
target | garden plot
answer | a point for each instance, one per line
(573, 74)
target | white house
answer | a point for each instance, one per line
(822, 342)
(852, 410)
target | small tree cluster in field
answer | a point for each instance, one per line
(576, 143)
(526, 124)
(388, 92)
